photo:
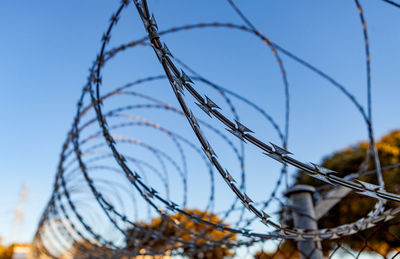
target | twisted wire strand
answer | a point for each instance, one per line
(91, 137)
(392, 3)
(279, 154)
(57, 228)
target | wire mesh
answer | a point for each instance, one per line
(119, 193)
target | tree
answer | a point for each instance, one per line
(6, 252)
(355, 206)
(85, 250)
(287, 249)
(167, 229)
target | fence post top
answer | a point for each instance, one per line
(299, 188)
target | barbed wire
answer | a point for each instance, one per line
(91, 147)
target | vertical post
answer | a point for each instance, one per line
(300, 197)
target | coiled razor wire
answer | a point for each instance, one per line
(86, 208)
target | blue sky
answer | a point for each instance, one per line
(48, 46)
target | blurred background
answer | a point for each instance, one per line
(48, 47)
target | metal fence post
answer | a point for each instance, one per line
(300, 197)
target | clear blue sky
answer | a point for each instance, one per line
(48, 46)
